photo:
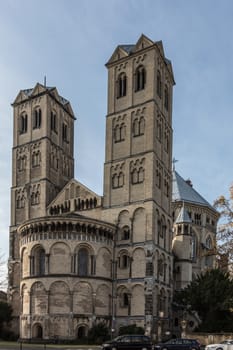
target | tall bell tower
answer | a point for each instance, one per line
(42, 163)
(138, 178)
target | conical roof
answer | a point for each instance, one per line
(183, 217)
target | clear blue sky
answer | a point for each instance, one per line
(70, 41)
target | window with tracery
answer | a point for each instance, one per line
(139, 126)
(140, 78)
(121, 85)
(35, 198)
(118, 180)
(119, 132)
(21, 163)
(20, 201)
(35, 194)
(36, 158)
(137, 176)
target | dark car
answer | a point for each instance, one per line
(179, 344)
(128, 342)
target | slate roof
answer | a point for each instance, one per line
(183, 217)
(182, 191)
(127, 48)
(62, 100)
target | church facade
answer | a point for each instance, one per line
(77, 258)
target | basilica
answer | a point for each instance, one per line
(78, 258)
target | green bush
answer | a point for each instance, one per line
(98, 333)
(131, 329)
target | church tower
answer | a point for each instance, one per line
(137, 179)
(182, 249)
(42, 163)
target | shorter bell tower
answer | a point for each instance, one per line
(182, 249)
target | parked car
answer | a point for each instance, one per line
(129, 342)
(224, 345)
(179, 344)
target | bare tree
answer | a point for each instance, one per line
(3, 272)
(225, 228)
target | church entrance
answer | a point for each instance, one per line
(37, 331)
(82, 332)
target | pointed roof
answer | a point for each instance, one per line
(183, 217)
(125, 50)
(183, 191)
(84, 192)
(26, 94)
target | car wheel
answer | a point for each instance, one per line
(163, 348)
(114, 348)
(219, 349)
(144, 348)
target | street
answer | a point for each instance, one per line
(24, 346)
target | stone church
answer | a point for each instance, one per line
(77, 258)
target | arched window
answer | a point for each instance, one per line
(194, 247)
(53, 121)
(166, 98)
(139, 126)
(121, 180)
(115, 181)
(119, 132)
(23, 123)
(159, 84)
(83, 262)
(140, 175)
(158, 179)
(36, 159)
(125, 299)
(134, 176)
(137, 176)
(140, 78)
(65, 132)
(37, 118)
(121, 85)
(124, 261)
(38, 262)
(208, 243)
(21, 163)
(159, 130)
(125, 233)
(136, 127)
